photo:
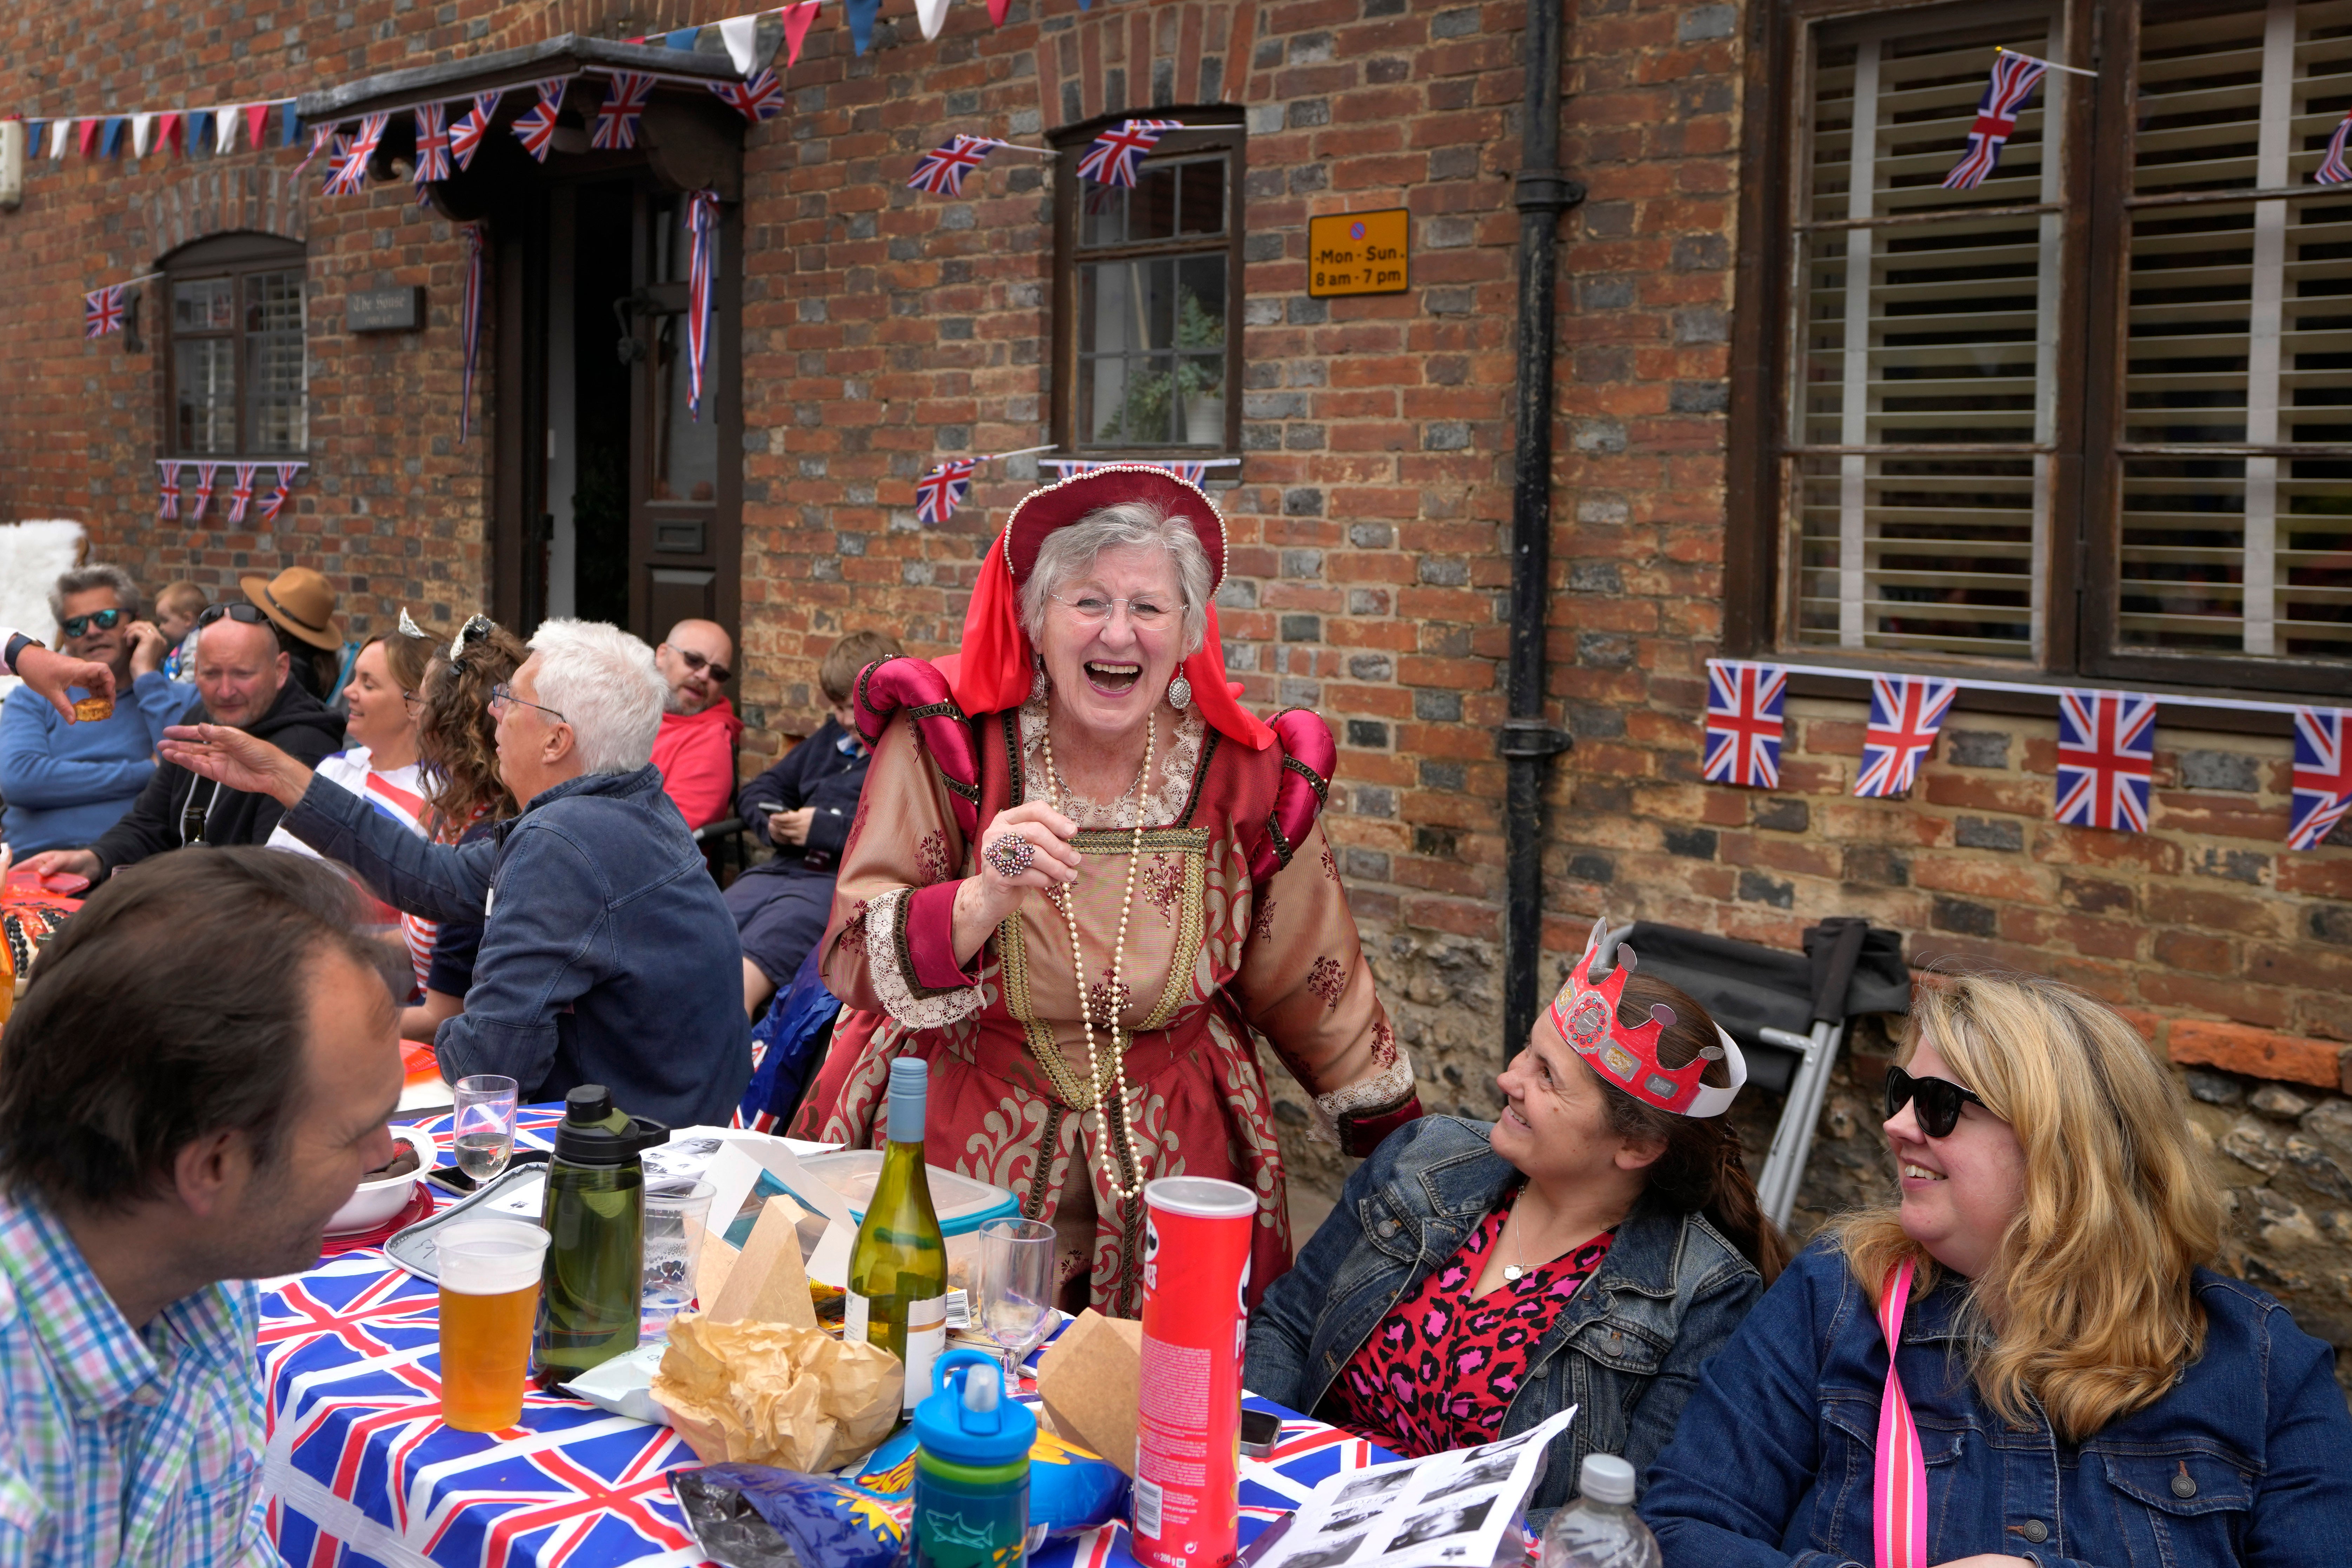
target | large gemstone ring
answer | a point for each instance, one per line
(1011, 855)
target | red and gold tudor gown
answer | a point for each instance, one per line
(1240, 925)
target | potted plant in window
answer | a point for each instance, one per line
(1200, 378)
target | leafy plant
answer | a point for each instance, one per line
(1143, 414)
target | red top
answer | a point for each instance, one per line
(1440, 1371)
(695, 753)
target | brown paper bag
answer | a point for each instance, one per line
(769, 1394)
(768, 1283)
(1090, 1379)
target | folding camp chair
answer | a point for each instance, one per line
(1787, 1010)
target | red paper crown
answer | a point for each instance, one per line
(1585, 1013)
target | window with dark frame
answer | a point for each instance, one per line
(2092, 416)
(236, 375)
(1148, 295)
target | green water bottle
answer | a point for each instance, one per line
(595, 1213)
(971, 1468)
(898, 1266)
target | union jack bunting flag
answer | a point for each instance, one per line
(167, 503)
(701, 271)
(536, 129)
(322, 140)
(275, 502)
(617, 116)
(762, 98)
(2333, 169)
(2013, 78)
(466, 136)
(2323, 775)
(1744, 724)
(940, 492)
(346, 174)
(241, 496)
(432, 142)
(941, 171)
(202, 497)
(470, 328)
(1112, 160)
(1904, 714)
(102, 311)
(2106, 748)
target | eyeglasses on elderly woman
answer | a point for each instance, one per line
(1093, 608)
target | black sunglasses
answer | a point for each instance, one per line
(250, 614)
(696, 662)
(104, 620)
(1938, 1099)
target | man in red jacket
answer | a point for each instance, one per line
(696, 747)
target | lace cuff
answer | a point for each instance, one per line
(1386, 1089)
(890, 961)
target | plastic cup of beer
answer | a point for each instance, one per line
(489, 1297)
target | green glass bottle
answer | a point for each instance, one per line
(898, 1267)
(595, 1212)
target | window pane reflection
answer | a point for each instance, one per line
(206, 398)
(275, 375)
(1151, 361)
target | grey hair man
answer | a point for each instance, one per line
(607, 956)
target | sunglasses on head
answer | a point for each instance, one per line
(698, 664)
(250, 614)
(1938, 1101)
(104, 620)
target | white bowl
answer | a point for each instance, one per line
(373, 1202)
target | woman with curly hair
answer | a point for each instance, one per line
(456, 741)
(2071, 1383)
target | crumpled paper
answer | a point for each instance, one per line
(769, 1394)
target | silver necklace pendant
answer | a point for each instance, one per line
(1511, 1271)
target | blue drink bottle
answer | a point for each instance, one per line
(971, 1468)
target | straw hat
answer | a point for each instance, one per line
(300, 602)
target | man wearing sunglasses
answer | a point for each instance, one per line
(695, 748)
(66, 782)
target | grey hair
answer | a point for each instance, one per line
(1127, 525)
(82, 578)
(604, 684)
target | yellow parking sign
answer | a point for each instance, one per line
(1357, 253)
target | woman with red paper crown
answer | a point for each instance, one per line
(1081, 875)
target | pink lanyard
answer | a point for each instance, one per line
(1899, 1494)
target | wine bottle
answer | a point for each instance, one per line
(898, 1267)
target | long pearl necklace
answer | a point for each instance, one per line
(1065, 898)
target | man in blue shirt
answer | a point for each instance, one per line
(180, 1119)
(65, 783)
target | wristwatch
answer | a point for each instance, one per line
(17, 642)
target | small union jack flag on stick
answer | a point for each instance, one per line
(940, 492)
(168, 502)
(276, 501)
(432, 142)
(941, 171)
(2333, 169)
(762, 98)
(102, 311)
(2013, 80)
(241, 497)
(466, 136)
(1112, 160)
(2106, 750)
(2323, 775)
(1744, 724)
(536, 129)
(617, 116)
(1905, 714)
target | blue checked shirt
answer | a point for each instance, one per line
(122, 1445)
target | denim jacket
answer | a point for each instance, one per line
(607, 956)
(1626, 1350)
(2246, 1460)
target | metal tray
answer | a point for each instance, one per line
(519, 1192)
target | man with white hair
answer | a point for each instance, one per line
(607, 956)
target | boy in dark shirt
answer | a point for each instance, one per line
(803, 807)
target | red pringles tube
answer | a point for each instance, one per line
(1196, 1242)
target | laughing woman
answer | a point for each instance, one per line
(1081, 875)
(2072, 1384)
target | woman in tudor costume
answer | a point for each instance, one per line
(1076, 793)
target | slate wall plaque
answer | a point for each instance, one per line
(386, 309)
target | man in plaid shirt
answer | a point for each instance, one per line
(198, 1077)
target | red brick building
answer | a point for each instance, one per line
(2079, 427)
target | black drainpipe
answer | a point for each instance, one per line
(1526, 743)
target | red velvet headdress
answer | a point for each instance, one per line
(992, 671)
(1585, 1013)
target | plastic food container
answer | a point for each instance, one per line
(964, 1204)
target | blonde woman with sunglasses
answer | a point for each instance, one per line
(2074, 1386)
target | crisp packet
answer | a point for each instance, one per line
(752, 1516)
(1070, 1489)
(769, 1394)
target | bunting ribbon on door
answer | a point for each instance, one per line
(469, 328)
(702, 262)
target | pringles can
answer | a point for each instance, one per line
(1196, 1251)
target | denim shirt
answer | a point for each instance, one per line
(2246, 1460)
(1626, 1350)
(607, 956)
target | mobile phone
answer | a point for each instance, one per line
(1261, 1429)
(769, 807)
(449, 1178)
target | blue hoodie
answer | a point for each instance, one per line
(64, 783)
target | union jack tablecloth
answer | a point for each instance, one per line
(359, 1469)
